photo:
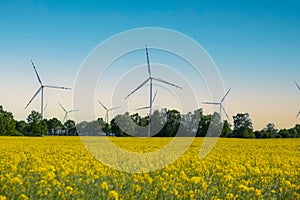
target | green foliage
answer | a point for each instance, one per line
(226, 131)
(7, 123)
(54, 126)
(242, 126)
(36, 125)
(21, 127)
(164, 123)
(70, 128)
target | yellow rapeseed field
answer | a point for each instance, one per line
(61, 168)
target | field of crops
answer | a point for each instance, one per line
(61, 168)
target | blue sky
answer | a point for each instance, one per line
(255, 44)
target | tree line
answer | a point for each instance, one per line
(163, 123)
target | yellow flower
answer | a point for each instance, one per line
(69, 189)
(243, 188)
(113, 194)
(227, 177)
(23, 197)
(175, 192)
(138, 188)
(195, 180)
(104, 185)
(257, 192)
(229, 196)
(2, 197)
(273, 191)
(18, 180)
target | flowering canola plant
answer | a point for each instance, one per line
(62, 168)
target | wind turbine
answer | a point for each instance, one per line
(150, 79)
(41, 89)
(66, 112)
(147, 107)
(107, 110)
(220, 104)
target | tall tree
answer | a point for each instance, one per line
(21, 127)
(203, 125)
(7, 122)
(70, 127)
(36, 125)
(226, 131)
(242, 126)
(54, 126)
(172, 124)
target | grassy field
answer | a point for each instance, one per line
(61, 168)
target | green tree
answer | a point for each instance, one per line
(92, 128)
(21, 127)
(242, 126)
(70, 127)
(226, 131)
(191, 121)
(36, 125)
(123, 125)
(172, 124)
(54, 126)
(203, 125)
(7, 123)
(270, 131)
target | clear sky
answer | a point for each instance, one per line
(254, 43)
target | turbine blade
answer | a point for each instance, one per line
(57, 87)
(297, 85)
(224, 111)
(141, 85)
(70, 111)
(212, 103)
(39, 79)
(62, 107)
(37, 92)
(102, 105)
(143, 108)
(166, 82)
(154, 97)
(148, 62)
(225, 95)
(114, 108)
(298, 114)
(45, 106)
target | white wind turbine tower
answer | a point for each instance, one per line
(220, 104)
(298, 89)
(150, 79)
(41, 89)
(107, 110)
(66, 112)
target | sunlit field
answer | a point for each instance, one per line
(61, 168)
